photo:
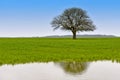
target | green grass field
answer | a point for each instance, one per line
(22, 50)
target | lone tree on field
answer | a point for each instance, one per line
(74, 20)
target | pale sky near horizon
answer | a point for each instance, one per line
(31, 18)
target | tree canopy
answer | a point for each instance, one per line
(74, 20)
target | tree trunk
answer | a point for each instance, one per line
(74, 35)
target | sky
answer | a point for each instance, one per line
(32, 18)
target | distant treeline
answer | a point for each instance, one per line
(80, 36)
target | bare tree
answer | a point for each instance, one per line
(74, 20)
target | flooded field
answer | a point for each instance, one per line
(99, 70)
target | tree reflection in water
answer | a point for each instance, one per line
(73, 67)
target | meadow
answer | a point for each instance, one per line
(23, 50)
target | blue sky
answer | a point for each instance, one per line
(28, 18)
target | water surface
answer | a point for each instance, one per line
(100, 70)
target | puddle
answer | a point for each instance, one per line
(99, 70)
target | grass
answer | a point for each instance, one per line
(22, 50)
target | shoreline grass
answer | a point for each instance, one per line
(23, 50)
